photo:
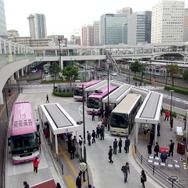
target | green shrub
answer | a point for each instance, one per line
(177, 90)
(63, 94)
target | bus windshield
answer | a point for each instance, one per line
(78, 92)
(24, 142)
(119, 120)
(93, 103)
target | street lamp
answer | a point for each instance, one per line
(171, 94)
(5, 97)
(59, 40)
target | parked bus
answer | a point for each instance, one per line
(122, 117)
(78, 89)
(94, 101)
(24, 140)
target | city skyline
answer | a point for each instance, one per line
(68, 19)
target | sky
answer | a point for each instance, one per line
(66, 17)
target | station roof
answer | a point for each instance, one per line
(116, 96)
(59, 120)
(96, 86)
(149, 111)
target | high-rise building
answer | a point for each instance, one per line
(125, 11)
(3, 28)
(37, 26)
(139, 28)
(111, 28)
(167, 21)
(87, 35)
(185, 26)
(96, 29)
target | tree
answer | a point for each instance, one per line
(70, 73)
(185, 75)
(173, 71)
(54, 70)
(137, 67)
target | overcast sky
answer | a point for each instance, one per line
(65, 17)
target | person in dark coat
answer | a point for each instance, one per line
(25, 184)
(158, 129)
(97, 131)
(156, 149)
(93, 136)
(143, 178)
(58, 185)
(120, 144)
(171, 148)
(72, 150)
(126, 170)
(78, 181)
(127, 144)
(115, 143)
(149, 148)
(47, 99)
(171, 122)
(93, 115)
(110, 155)
(102, 132)
(152, 136)
(89, 138)
(163, 157)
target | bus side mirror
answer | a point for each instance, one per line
(8, 141)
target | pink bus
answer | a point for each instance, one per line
(24, 140)
(78, 89)
(94, 101)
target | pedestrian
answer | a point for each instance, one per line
(156, 150)
(110, 155)
(9, 92)
(25, 184)
(115, 143)
(97, 131)
(162, 111)
(149, 146)
(102, 132)
(93, 136)
(167, 115)
(126, 170)
(38, 125)
(171, 123)
(47, 99)
(143, 178)
(171, 148)
(80, 140)
(36, 162)
(72, 150)
(152, 136)
(93, 115)
(158, 129)
(163, 157)
(127, 144)
(58, 185)
(120, 144)
(89, 138)
(78, 181)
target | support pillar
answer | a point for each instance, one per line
(56, 145)
(1, 98)
(12, 79)
(136, 133)
(22, 72)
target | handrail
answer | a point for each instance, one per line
(156, 172)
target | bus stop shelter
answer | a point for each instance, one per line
(149, 112)
(58, 121)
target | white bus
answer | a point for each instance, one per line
(122, 117)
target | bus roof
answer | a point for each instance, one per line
(96, 86)
(102, 92)
(117, 95)
(127, 104)
(87, 84)
(22, 119)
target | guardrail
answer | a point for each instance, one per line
(157, 173)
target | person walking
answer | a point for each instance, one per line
(93, 136)
(120, 144)
(171, 123)
(72, 150)
(47, 99)
(97, 131)
(93, 115)
(110, 155)
(36, 162)
(163, 157)
(102, 132)
(115, 143)
(25, 184)
(127, 144)
(58, 185)
(167, 115)
(89, 138)
(143, 178)
(126, 170)
(158, 129)
(149, 147)
(78, 181)
(156, 150)
(171, 149)
(80, 140)
(152, 137)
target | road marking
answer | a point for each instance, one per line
(70, 182)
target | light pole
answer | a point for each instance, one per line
(129, 73)
(59, 40)
(171, 95)
(84, 131)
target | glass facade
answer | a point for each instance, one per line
(3, 28)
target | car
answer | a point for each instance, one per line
(114, 74)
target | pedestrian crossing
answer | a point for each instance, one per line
(151, 88)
